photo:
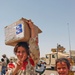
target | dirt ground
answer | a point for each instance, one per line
(50, 72)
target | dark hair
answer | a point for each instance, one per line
(2, 59)
(4, 55)
(24, 45)
(65, 60)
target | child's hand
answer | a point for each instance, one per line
(30, 23)
(34, 30)
(20, 63)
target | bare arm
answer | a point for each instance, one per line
(34, 30)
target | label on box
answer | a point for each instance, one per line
(19, 29)
(14, 32)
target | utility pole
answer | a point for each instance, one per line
(69, 40)
(57, 50)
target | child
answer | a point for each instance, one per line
(3, 69)
(24, 64)
(27, 58)
(63, 66)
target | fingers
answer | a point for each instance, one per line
(19, 62)
(34, 29)
(23, 58)
(30, 23)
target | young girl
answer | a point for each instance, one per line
(25, 52)
(25, 64)
(63, 66)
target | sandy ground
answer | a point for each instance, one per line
(50, 72)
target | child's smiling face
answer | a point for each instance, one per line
(62, 68)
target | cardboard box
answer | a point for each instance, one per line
(17, 32)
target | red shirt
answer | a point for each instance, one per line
(11, 65)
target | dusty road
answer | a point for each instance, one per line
(50, 72)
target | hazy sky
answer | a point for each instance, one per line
(51, 16)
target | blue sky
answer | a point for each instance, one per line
(51, 16)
